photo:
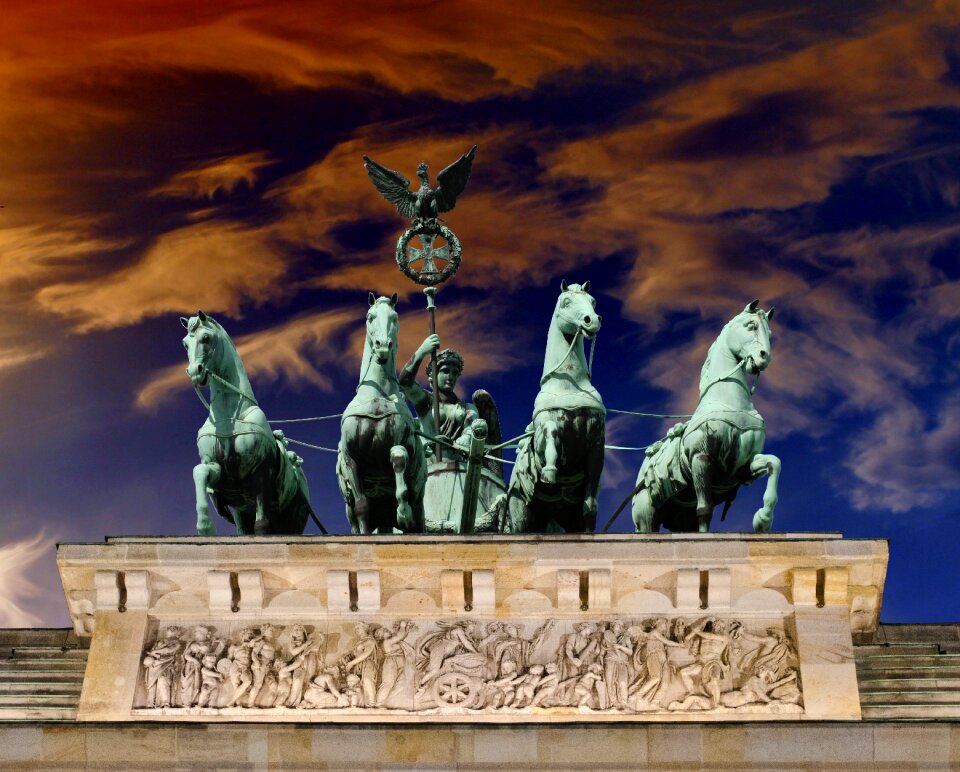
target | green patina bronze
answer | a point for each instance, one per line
(556, 479)
(381, 464)
(704, 461)
(430, 263)
(255, 482)
(465, 429)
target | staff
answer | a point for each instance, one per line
(431, 293)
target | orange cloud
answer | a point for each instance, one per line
(31, 253)
(313, 349)
(299, 352)
(211, 265)
(765, 136)
(770, 112)
(527, 235)
(222, 174)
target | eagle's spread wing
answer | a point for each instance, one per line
(393, 186)
(487, 409)
(453, 180)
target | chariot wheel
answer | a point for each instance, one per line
(456, 690)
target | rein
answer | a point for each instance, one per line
(363, 377)
(566, 356)
(227, 384)
(641, 483)
(736, 367)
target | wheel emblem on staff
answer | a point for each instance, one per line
(431, 263)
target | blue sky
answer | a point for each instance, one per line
(685, 158)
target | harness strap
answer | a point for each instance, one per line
(748, 389)
(202, 399)
(559, 364)
(225, 382)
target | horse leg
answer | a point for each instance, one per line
(351, 484)
(416, 475)
(700, 469)
(205, 475)
(267, 509)
(399, 459)
(593, 469)
(643, 511)
(551, 450)
(765, 464)
(244, 517)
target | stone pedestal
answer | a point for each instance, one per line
(493, 629)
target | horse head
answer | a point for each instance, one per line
(577, 310)
(749, 337)
(203, 345)
(382, 327)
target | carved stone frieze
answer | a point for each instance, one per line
(620, 666)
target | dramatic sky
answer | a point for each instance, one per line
(686, 157)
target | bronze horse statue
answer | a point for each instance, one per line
(255, 482)
(556, 479)
(704, 461)
(381, 465)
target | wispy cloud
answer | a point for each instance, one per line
(299, 352)
(708, 185)
(214, 265)
(21, 602)
(212, 177)
(904, 461)
(311, 350)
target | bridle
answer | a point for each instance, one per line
(226, 384)
(740, 364)
(573, 342)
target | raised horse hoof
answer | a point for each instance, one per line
(398, 459)
(549, 474)
(762, 522)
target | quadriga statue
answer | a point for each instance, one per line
(381, 464)
(704, 461)
(557, 475)
(255, 482)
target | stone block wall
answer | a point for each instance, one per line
(793, 745)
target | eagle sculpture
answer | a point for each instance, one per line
(427, 203)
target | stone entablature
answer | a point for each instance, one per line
(467, 667)
(812, 590)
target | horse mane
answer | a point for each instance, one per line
(550, 365)
(367, 357)
(704, 371)
(226, 339)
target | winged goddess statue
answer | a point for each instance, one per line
(427, 203)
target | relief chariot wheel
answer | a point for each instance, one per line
(456, 690)
(429, 264)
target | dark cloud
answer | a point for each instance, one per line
(686, 157)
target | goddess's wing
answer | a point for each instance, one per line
(487, 409)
